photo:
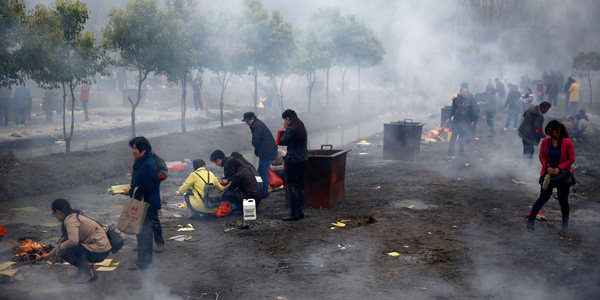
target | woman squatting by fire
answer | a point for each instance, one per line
(83, 241)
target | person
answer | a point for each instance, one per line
(144, 178)
(490, 109)
(552, 92)
(560, 79)
(540, 91)
(573, 97)
(5, 96)
(246, 164)
(556, 154)
(463, 114)
(83, 241)
(514, 107)
(264, 147)
(296, 160)
(220, 160)
(163, 173)
(278, 164)
(500, 89)
(545, 78)
(197, 91)
(489, 85)
(570, 81)
(584, 130)
(531, 129)
(22, 99)
(526, 100)
(84, 97)
(48, 104)
(196, 181)
(242, 185)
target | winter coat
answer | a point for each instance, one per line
(501, 90)
(552, 90)
(163, 170)
(540, 91)
(197, 184)
(573, 92)
(85, 231)
(262, 139)
(250, 168)
(145, 179)
(244, 185)
(491, 104)
(567, 154)
(512, 102)
(527, 100)
(585, 130)
(464, 109)
(22, 96)
(531, 129)
(296, 146)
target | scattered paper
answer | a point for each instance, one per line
(429, 233)
(189, 227)
(377, 187)
(106, 269)
(118, 189)
(393, 254)
(338, 224)
(50, 224)
(18, 277)
(107, 265)
(182, 204)
(228, 229)
(27, 209)
(9, 272)
(177, 215)
(181, 238)
(520, 182)
(363, 153)
(346, 220)
(410, 206)
(5, 265)
(363, 143)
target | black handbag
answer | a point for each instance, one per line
(114, 238)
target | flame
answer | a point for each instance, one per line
(439, 134)
(29, 247)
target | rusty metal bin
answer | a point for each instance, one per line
(324, 178)
(402, 140)
(445, 114)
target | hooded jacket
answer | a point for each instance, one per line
(531, 129)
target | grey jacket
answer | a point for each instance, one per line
(531, 129)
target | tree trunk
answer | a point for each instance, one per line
(255, 88)
(134, 105)
(64, 118)
(590, 86)
(358, 84)
(311, 81)
(223, 81)
(70, 138)
(327, 88)
(281, 92)
(183, 103)
(343, 82)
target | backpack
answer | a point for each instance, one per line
(212, 194)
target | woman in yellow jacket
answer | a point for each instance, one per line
(196, 182)
(573, 97)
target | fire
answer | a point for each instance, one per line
(29, 250)
(439, 134)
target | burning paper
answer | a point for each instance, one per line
(29, 250)
(439, 134)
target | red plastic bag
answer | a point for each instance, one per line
(2, 230)
(177, 168)
(274, 180)
(224, 210)
(279, 135)
(540, 216)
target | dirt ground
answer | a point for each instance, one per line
(457, 223)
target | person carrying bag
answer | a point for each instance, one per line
(133, 215)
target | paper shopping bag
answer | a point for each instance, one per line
(133, 215)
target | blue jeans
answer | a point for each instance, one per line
(264, 164)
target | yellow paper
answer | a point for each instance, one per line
(104, 263)
(5, 265)
(338, 224)
(393, 254)
(410, 206)
(27, 209)
(9, 272)
(346, 220)
(118, 189)
(106, 269)
(50, 224)
(189, 227)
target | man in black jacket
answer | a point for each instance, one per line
(264, 147)
(464, 114)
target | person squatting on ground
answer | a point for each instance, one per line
(557, 155)
(463, 115)
(245, 163)
(531, 129)
(296, 159)
(490, 107)
(144, 178)
(583, 130)
(5, 96)
(220, 160)
(514, 107)
(83, 241)
(196, 181)
(264, 147)
(242, 185)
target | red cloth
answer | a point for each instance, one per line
(85, 93)
(567, 154)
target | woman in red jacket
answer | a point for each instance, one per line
(556, 155)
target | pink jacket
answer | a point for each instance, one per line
(540, 92)
(567, 154)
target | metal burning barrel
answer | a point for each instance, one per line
(445, 114)
(402, 140)
(324, 178)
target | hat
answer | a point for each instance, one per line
(247, 116)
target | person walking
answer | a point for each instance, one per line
(48, 104)
(83, 241)
(490, 107)
(557, 155)
(463, 115)
(573, 97)
(22, 100)
(514, 107)
(540, 91)
(526, 100)
(144, 178)
(197, 91)
(84, 97)
(295, 138)
(5, 97)
(570, 81)
(264, 147)
(531, 129)
(552, 92)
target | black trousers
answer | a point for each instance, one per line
(80, 257)
(84, 105)
(490, 121)
(144, 239)
(563, 200)
(157, 229)
(232, 197)
(20, 117)
(295, 180)
(528, 151)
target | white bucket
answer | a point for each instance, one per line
(249, 208)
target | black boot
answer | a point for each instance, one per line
(300, 207)
(293, 205)
(565, 225)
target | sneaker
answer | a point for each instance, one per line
(505, 129)
(160, 248)
(546, 182)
